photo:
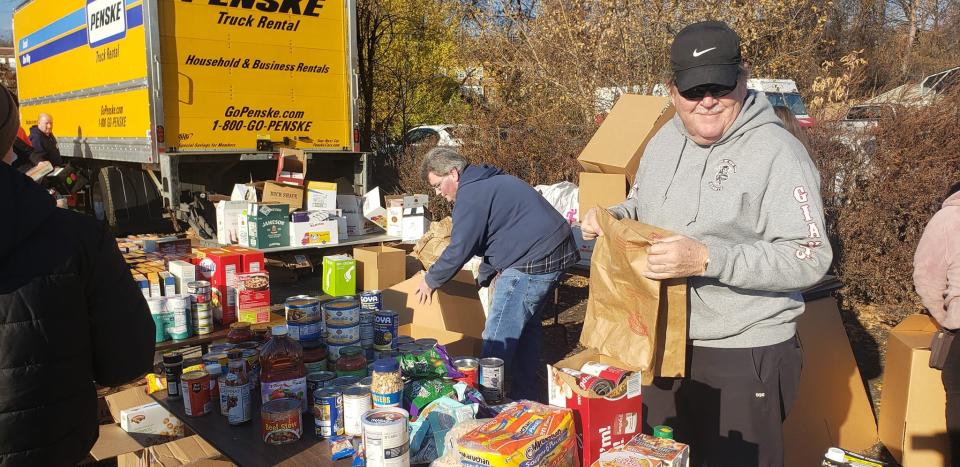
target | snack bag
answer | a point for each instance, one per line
(418, 394)
(433, 363)
(523, 434)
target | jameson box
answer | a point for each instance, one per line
(267, 225)
(603, 422)
(253, 297)
(339, 275)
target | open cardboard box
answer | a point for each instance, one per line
(292, 166)
(913, 403)
(617, 146)
(192, 450)
(455, 318)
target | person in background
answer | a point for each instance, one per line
(743, 197)
(525, 245)
(792, 125)
(936, 277)
(44, 143)
(71, 317)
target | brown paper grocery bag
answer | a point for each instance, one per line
(429, 248)
(639, 321)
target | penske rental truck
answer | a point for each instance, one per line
(162, 103)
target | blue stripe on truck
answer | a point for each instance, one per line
(75, 39)
(63, 25)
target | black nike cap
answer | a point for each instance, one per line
(705, 53)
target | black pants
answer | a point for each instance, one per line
(951, 384)
(731, 406)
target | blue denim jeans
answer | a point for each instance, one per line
(513, 332)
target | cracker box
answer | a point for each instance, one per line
(604, 422)
(253, 297)
(647, 451)
(150, 419)
(339, 275)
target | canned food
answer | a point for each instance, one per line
(427, 342)
(385, 437)
(318, 380)
(366, 382)
(344, 382)
(371, 300)
(366, 328)
(179, 311)
(343, 334)
(220, 348)
(386, 323)
(252, 356)
(302, 309)
(196, 397)
(611, 373)
(334, 349)
(469, 366)
(405, 340)
(377, 355)
(280, 421)
(409, 349)
(356, 402)
(305, 331)
(198, 287)
(342, 312)
(491, 379)
(328, 413)
(593, 384)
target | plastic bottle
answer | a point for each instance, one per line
(282, 373)
(236, 390)
(173, 368)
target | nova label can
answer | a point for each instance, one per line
(386, 324)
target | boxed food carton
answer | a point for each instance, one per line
(250, 260)
(647, 451)
(228, 218)
(373, 210)
(313, 228)
(156, 290)
(339, 275)
(143, 283)
(394, 207)
(183, 273)
(352, 208)
(268, 225)
(253, 297)
(524, 433)
(603, 421)
(220, 267)
(415, 223)
(168, 283)
(150, 418)
(321, 196)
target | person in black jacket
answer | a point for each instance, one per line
(70, 317)
(44, 143)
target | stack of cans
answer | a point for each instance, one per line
(200, 296)
(370, 303)
(342, 318)
(304, 318)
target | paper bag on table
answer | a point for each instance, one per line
(429, 248)
(639, 321)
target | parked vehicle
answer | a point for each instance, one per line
(783, 92)
(434, 135)
(162, 102)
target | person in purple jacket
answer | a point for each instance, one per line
(525, 245)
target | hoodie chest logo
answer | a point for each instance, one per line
(725, 168)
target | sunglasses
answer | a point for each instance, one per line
(715, 90)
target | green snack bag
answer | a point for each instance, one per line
(433, 363)
(419, 394)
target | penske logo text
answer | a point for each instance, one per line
(106, 21)
(293, 7)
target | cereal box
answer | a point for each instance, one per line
(253, 297)
(647, 451)
(524, 433)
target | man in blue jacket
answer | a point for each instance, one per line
(525, 245)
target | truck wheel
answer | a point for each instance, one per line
(103, 205)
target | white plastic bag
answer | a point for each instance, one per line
(564, 197)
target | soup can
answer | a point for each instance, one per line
(334, 349)
(426, 343)
(386, 324)
(356, 402)
(302, 309)
(305, 331)
(216, 358)
(344, 382)
(342, 312)
(180, 312)
(328, 412)
(281, 421)
(196, 393)
(470, 367)
(318, 380)
(366, 328)
(339, 335)
(491, 379)
(371, 300)
(405, 340)
(385, 437)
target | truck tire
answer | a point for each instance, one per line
(104, 195)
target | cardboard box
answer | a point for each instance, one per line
(321, 196)
(603, 423)
(648, 451)
(244, 192)
(373, 209)
(832, 407)
(250, 260)
(156, 290)
(339, 275)
(913, 403)
(415, 223)
(151, 419)
(228, 218)
(183, 274)
(313, 228)
(379, 267)
(268, 225)
(253, 297)
(220, 268)
(113, 440)
(602, 190)
(192, 451)
(455, 317)
(617, 146)
(394, 206)
(167, 245)
(352, 208)
(416, 201)
(282, 193)
(143, 283)
(292, 166)
(168, 284)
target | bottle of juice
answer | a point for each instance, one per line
(236, 390)
(282, 373)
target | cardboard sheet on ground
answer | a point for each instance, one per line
(639, 321)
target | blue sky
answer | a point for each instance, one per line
(6, 14)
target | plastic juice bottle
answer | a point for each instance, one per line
(282, 373)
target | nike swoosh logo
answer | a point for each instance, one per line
(697, 53)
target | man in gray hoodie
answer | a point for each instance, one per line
(744, 198)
